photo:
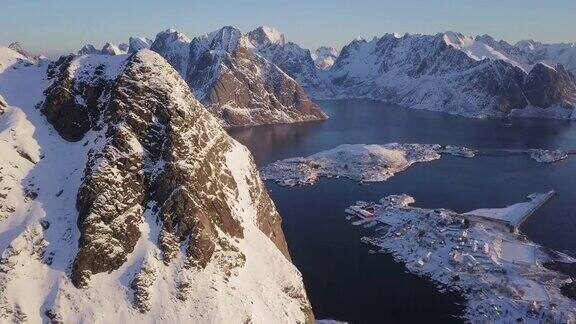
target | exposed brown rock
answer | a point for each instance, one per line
(151, 149)
(545, 86)
(71, 118)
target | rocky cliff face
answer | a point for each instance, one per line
(241, 87)
(173, 222)
(546, 85)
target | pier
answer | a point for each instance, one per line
(514, 215)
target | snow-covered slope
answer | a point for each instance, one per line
(562, 53)
(236, 84)
(447, 72)
(16, 46)
(485, 47)
(126, 201)
(9, 57)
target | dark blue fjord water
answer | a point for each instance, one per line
(343, 281)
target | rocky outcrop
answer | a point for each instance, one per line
(169, 208)
(61, 106)
(3, 105)
(546, 85)
(241, 87)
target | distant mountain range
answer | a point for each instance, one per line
(447, 72)
(452, 73)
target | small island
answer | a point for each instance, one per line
(375, 163)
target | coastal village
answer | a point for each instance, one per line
(480, 254)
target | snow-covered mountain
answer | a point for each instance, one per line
(324, 57)
(562, 53)
(107, 49)
(296, 61)
(136, 44)
(452, 73)
(174, 47)
(235, 82)
(524, 54)
(17, 47)
(10, 57)
(122, 199)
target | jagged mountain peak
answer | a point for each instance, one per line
(486, 38)
(225, 39)
(174, 46)
(173, 35)
(244, 85)
(527, 44)
(88, 49)
(10, 57)
(112, 49)
(455, 38)
(265, 35)
(138, 43)
(153, 204)
(16, 46)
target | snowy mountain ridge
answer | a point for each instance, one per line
(236, 83)
(121, 182)
(288, 56)
(470, 76)
(451, 73)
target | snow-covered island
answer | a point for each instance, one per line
(375, 163)
(547, 156)
(501, 273)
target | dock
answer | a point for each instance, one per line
(514, 215)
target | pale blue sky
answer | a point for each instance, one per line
(65, 25)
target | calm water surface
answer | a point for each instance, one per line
(344, 281)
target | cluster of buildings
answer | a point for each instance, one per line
(480, 254)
